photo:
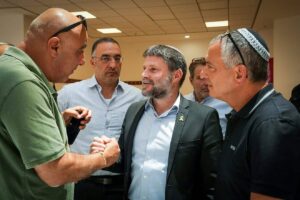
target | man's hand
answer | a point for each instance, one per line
(109, 147)
(77, 112)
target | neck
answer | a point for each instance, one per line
(244, 94)
(107, 89)
(163, 104)
(198, 98)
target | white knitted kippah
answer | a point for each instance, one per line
(259, 48)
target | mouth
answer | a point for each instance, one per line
(112, 73)
(145, 81)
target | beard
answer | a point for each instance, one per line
(159, 90)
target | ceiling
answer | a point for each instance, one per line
(164, 17)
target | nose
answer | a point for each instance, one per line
(205, 71)
(203, 75)
(113, 63)
(144, 73)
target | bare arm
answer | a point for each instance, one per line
(257, 196)
(73, 167)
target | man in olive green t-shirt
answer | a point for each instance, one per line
(35, 158)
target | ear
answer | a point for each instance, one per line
(177, 75)
(241, 73)
(53, 46)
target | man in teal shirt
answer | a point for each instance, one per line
(35, 158)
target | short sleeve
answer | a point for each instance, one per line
(28, 115)
(274, 157)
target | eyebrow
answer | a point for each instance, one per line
(111, 54)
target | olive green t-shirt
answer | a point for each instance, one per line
(32, 131)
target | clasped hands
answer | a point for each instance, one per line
(109, 148)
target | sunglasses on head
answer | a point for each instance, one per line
(235, 45)
(199, 61)
(68, 28)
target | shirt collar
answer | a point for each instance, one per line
(92, 82)
(174, 108)
(247, 110)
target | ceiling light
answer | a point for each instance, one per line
(187, 36)
(85, 14)
(216, 24)
(109, 30)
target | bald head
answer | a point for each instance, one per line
(49, 22)
(48, 50)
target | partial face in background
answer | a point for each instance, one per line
(199, 82)
(220, 78)
(107, 62)
(156, 78)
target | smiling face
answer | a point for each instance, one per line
(107, 63)
(157, 80)
(220, 78)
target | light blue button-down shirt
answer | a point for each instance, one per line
(107, 115)
(150, 153)
(222, 108)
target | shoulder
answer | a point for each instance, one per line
(275, 118)
(277, 107)
(137, 105)
(129, 88)
(14, 73)
(132, 91)
(77, 87)
(196, 108)
(190, 96)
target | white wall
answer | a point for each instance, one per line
(286, 54)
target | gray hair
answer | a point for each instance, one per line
(256, 65)
(172, 57)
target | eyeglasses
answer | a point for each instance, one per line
(235, 45)
(106, 58)
(68, 28)
(201, 61)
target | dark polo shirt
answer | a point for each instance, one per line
(261, 153)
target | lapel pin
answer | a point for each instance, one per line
(181, 118)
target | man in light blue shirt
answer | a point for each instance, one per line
(108, 98)
(201, 93)
(169, 145)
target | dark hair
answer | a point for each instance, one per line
(196, 62)
(256, 65)
(102, 40)
(295, 97)
(173, 58)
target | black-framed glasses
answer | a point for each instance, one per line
(107, 58)
(70, 27)
(235, 45)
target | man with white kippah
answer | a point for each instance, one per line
(260, 157)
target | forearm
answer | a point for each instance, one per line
(70, 167)
(257, 196)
